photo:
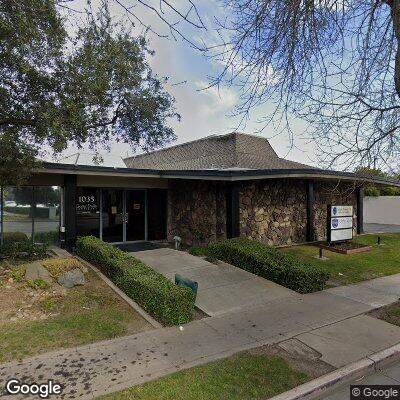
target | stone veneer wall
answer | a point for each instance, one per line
(196, 211)
(274, 211)
(332, 193)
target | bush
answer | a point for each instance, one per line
(165, 301)
(51, 237)
(270, 263)
(11, 237)
(198, 251)
(14, 249)
(58, 266)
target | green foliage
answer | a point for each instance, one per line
(375, 191)
(390, 191)
(11, 237)
(47, 237)
(18, 273)
(37, 284)
(155, 293)
(91, 85)
(270, 263)
(372, 191)
(13, 249)
(198, 251)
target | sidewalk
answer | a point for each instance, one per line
(329, 317)
(223, 288)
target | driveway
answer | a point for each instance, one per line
(381, 228)
(223, 288)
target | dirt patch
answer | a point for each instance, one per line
(20, 302)
(390, 313)
(310, 363)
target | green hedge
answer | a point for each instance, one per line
(165, 301)
(270, 263)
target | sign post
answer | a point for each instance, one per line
(340, 223)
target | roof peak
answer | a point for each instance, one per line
(212, 136)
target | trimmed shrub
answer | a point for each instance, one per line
(198, 251)
(162, 299)
(58, 266)
(270, 263)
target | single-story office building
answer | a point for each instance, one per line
(206, 190)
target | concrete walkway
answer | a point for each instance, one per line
(330, 322)
(389, 376)
(223, 288)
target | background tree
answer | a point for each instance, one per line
(87, 87)
(377, 190)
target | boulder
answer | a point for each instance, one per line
(72, 278)
(36, 271)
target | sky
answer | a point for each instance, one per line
(203, 112)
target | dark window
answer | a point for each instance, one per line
(157, 214)
(87, 212)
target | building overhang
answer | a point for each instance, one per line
(220, 175)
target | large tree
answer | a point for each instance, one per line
(87, 84)
(335, 64)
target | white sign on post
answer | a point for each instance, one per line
(341, 211)
(340, 223)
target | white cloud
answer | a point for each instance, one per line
(218, 99)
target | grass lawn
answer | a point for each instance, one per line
(242, 376)
(345, 269)
(36, 321)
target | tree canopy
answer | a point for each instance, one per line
(334, 64)
(85, 85)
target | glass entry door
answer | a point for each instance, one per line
(113, 215)
(135, 203)
(123, 215)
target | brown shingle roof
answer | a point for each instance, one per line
(231, 151)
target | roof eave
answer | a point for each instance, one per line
(231, 175)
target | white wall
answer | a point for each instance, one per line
(382, 210)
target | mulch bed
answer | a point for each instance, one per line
(345, 247)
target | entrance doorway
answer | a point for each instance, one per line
(123, 217)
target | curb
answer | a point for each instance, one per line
(319, 386)
(121, 294)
